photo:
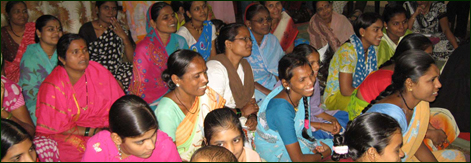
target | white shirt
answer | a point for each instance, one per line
(185, 33)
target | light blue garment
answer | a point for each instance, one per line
(264, 62)
(268, 142)
(35, 66)
(393, 111)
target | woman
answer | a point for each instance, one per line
(16, 143)
(16, 37)
(414, 83)
(353, 61)
(177, 7)
(395, 28)
(377, 81)
(430, 18)
(372, 137)
(266, 50)
(134, 136)
(109, 43)
(198, 26)
(282, 132)
(74, 100)
(282, 26)
(151, 54)
(183, 109)
(223, 128)
(328, 28)
(233, 73)
(39, 60)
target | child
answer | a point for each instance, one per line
(213, 153)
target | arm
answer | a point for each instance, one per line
(424, 154)
(262, 89)
(296, 154)
(213, 49)
(446, 30)
(345, 83)
(22, 117)
(290, 49)
(438, 136)
(414, 16)
(129, 47)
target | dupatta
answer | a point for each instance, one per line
(285, 31)
(203, 45)
(12, 69)
(363, 69)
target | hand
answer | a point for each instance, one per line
(325, 149)
(438, 137)
(251, 122)
(330, 128)
(118, 29)
(250, 108)
(419, 10)
(336, 125)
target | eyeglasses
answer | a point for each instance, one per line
(261, 20)
(246, 39)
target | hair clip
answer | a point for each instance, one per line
(340, 149)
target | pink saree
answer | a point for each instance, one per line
(61, 107)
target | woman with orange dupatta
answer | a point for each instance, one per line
(183, 109)
(151, 54)
(74, 100)
(16, 36)
(282, 25)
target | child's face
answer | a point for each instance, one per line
(230, 139)
(314, 61)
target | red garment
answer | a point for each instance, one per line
(61, 107)
(374, 84)
(13, 56)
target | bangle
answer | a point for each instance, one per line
(9, 115)
(322, 156)
(239, 113)
(87, 130)
(94, 131)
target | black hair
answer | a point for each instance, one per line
(392, 10)
(219, 119)
(10, 5)
(41, 22)
(177, 64)
(286, 65)
(12, 134)
(63, 45)
(324, 69)
(304, 50)
(409, 42)
(176, 5)
(214, 153)
(228, 32)
(131, 116)
(155, 9)
(314, 5)
(253, 10)
(364, 21)
(411, 64)
(186, 7)
(99, 3)
(218, 24)
(366, 131)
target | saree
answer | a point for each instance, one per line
(35, 66)
(187, 130)
(320, 34)
(387, 47)
(285, 31)
(13, 98)
(204, 43)
(62, 106)
(108, 50)
(414, 132)
(264, 62)
(14, 52)
(268, 142)
(150, 60)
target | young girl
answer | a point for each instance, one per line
(213, 153)
(17, 145)
(222, 128)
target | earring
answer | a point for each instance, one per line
(386, 27)
(119, 152)
(287, 88)
(362, 35)
(410, 89)
(178, 85)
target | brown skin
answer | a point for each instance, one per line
(165, 24)
(18, 17)
(19, 115)
(198, 14)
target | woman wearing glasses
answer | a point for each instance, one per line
(266, 50)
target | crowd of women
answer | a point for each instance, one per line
(210, 91)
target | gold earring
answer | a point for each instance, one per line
(410, 89)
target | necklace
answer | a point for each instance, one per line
(197, 30)
(404, 100)
(14, 31)
(295, 107)
(183, 104)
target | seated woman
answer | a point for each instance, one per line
(39, 60)
(414, 84)
(395, 28)
(109, 43)
(74, 100)
(13, 105)
(282, 132)
(353, 61)
(266, 50)
(213, 153)
(177, 7)
(371, 137)
(17, 145)
(430, 18)
(223, 128)
(134, 136)
(328, 29)
(151, 54)
(282, 25)
(198, 26)
(233, 73)
(377, 81)
(183, 109)
(16, 36)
